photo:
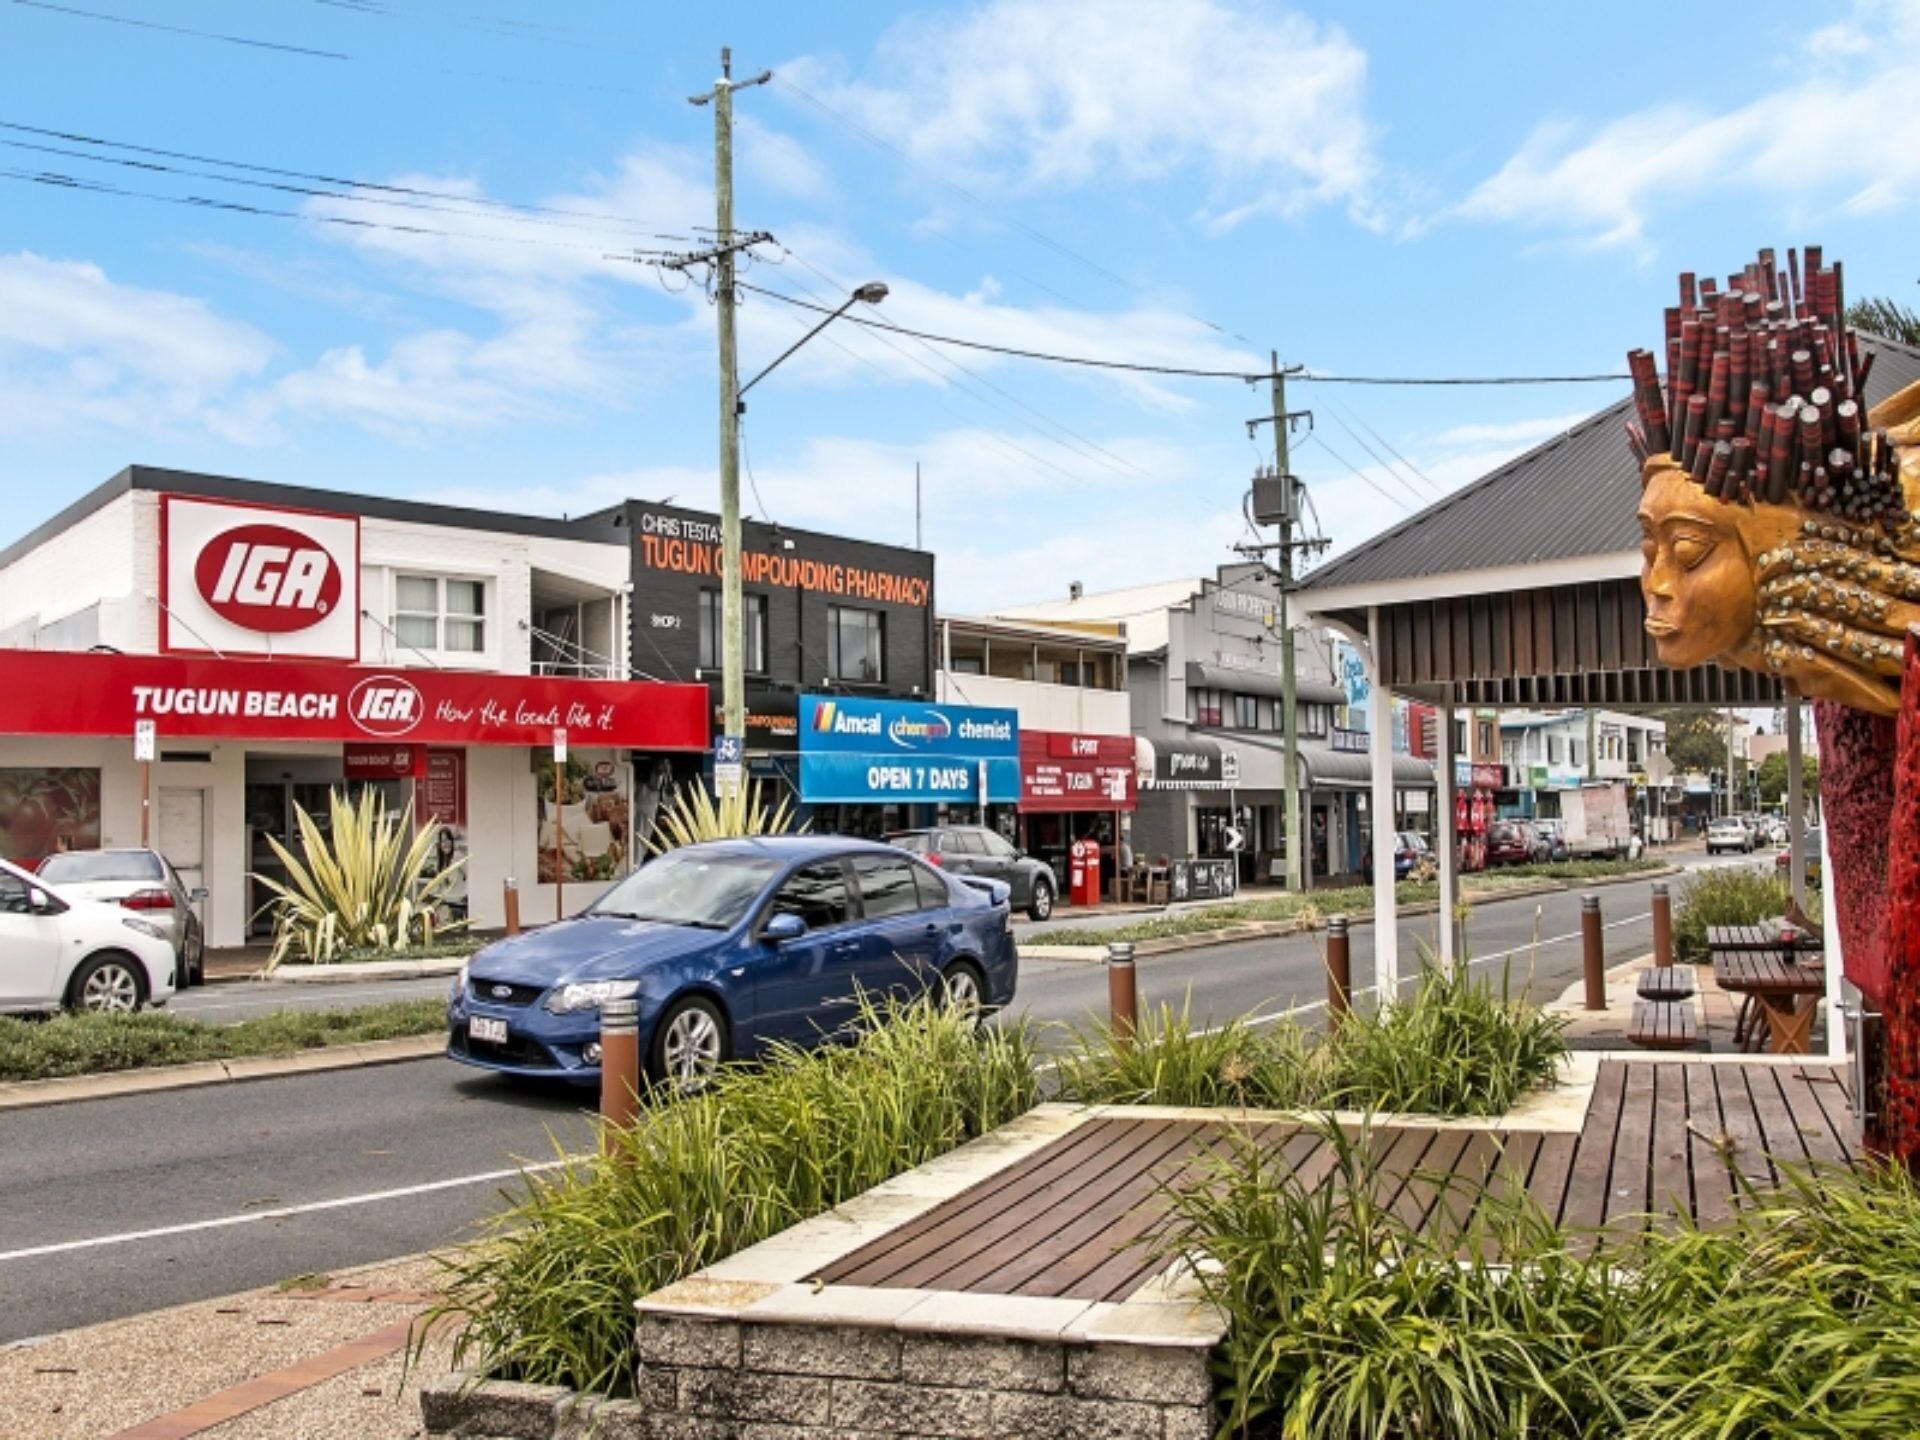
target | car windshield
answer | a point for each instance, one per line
(688, 887)
(83, 867)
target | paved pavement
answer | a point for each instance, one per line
(116, 1206)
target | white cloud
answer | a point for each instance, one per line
(77, 348)
(1268, 104)
(1512, 432)
(1845, 131)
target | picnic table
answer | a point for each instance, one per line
(1782, 980)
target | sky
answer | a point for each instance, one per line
(1385, 190)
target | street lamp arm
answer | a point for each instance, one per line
(872, 293)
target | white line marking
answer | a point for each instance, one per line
(284, 1212)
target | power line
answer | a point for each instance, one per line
(184, 30)
(1364, 479)
(73, 137)
(1360, 420)
(1398, 478)
(203, 202)
(1192, 372)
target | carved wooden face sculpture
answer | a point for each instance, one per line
(1696, 571)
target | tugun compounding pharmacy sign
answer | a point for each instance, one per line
(45, 692)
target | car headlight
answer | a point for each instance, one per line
(145, 927)
(590, 995)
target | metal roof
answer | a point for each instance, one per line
(1574, 496)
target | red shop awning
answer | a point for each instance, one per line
(1060, 771)
(51, 692)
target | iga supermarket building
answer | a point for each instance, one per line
(282, 643)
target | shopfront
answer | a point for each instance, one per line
(870, 767)
(241, 747)
(1076, 787)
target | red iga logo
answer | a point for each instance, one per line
(267, 578)
(385, 705)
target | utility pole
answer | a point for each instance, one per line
(721, 256)
(1282, 508)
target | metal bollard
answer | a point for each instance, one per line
(619, 1067)
(1662, 925)
(513, 906)
(1123, 997)
(1339, 971)
(1593, 953)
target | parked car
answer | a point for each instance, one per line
(1514, 842)
(729, 947)
(1730, 832)
(1783, 862)
(1554, 833)
(141, 881)
(60, 950)
(978, 851)
(1410, 848)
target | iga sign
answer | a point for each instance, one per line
(258, 580)
(47, 692)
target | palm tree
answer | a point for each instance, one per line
(1881, 316)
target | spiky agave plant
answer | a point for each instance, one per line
(359, 885)
(695, 816)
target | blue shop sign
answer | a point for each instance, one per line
(855, 750)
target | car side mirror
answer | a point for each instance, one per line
(38, 901)
(782, 928)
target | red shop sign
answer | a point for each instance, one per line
(1113, 749)
(383, 762)
(46, 692)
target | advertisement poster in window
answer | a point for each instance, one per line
(593, 830)
(442, 801)
(47, 810)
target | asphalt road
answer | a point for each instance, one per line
(116, 1206)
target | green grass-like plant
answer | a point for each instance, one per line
(1458, 1046)
(86, 1044)
(1801, 1318)
(1737, 895)
(548, 1297)
(695, 816)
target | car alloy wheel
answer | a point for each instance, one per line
(961, 991)
(691, 1049)
(1042, 906)
(110, 989)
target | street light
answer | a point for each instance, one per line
(732, 619)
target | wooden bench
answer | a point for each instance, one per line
(1666, 982)
(1664, 1025)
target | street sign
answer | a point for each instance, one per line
(1236, 839)
(1229, 767)
(729, 759)
(559, 744)
(143, 736)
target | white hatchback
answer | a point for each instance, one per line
(60, 950)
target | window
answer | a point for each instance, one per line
(1206, 707)
(14, 898)
(1575, 753)
(855, 642)
(445, 615)
(1486, 738)
(997, 847)
(886, 887)
(933, 890)
(1459, 735)
(1553, 750)
(817, 894)
(753, 624)
(1246, 712)
(963, 842)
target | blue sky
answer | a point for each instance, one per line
(1386, 189)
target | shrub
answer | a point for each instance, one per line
(1801, 1317)
(1458, 1046)
(548, 1298)
(362, 884)
(1736, 895)
(694, 816)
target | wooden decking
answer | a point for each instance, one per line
(1066, 1220)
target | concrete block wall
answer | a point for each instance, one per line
(731, 1380)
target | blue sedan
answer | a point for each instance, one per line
(729, 947)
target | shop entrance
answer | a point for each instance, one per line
(180, 835)
(278, 787)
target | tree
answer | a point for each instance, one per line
(1881, 316)
(1696, 739)
(1773, 777)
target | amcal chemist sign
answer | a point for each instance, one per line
(855, 750)
(258, 580)
(48, 692)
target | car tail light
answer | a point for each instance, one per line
(933, 857)
(148, 900)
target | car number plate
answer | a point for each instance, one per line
(493, 1032)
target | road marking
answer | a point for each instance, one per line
(284, 1212)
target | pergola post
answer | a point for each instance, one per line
(1447, 839)
(1796, 810)
(1386, 908)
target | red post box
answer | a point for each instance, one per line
(1084, 872)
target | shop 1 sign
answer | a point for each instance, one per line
(258, 580)
(857, 750)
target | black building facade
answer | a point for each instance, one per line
(823, 614)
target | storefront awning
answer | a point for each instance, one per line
(1261, 682)
(49, 692)
(1330, 769)
(1180, 764)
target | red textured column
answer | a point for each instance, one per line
(1856, 806)
(1900, 1126)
